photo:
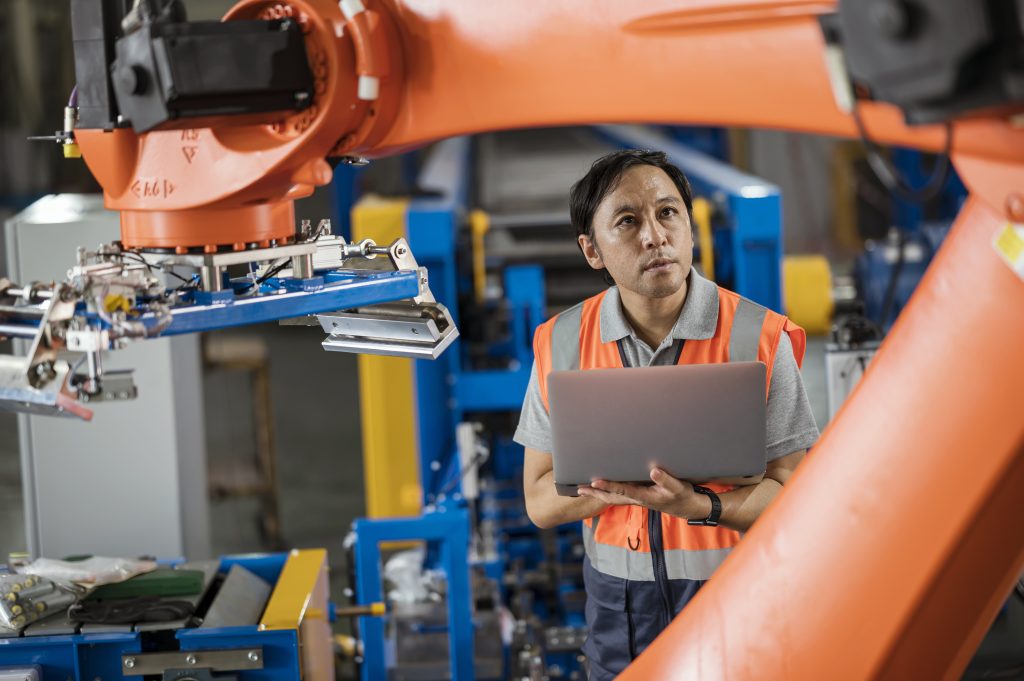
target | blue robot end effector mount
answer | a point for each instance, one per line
(368, 298)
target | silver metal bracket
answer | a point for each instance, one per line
(236, 659)
(420, 331)
(116, 385)
(420, 327)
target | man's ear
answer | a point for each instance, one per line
(590, 252)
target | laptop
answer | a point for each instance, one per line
(698, 422)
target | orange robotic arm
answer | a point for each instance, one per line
(892, 549)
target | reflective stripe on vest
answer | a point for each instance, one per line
(746, 332)
(624, 563)
(565, 340)
(745, 336)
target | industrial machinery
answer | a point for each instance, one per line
(201, 170)
(256, 617)
(244, 260)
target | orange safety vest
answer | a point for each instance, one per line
(618, 541)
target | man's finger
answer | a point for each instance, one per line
(667, 482)
(606, 497)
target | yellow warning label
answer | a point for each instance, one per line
(1009, 242)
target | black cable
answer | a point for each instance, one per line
(284, 263)
(149, 266)
(889, 174)
(272, 271)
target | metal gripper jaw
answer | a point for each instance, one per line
(419, 327)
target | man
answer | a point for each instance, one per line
(644, 559)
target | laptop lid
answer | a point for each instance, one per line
(695, 421)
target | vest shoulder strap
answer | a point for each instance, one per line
(565, 339)
(745, 335)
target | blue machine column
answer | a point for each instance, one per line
(449, 529)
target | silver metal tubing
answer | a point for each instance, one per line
(18, 331)
(26, 310)
(302, 266)
(211, 275)
(94, 364)
(25, 291)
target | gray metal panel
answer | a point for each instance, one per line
(240, 601)
(132, 481)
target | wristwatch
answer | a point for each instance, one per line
(716, 508)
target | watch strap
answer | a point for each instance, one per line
(716, 508)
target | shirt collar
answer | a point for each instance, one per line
(697, 320)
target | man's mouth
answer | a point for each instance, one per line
(658, 264)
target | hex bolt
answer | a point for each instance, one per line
(129, 662)
(253, 656)
(190, 659)
(401, 250)
(1015, 207)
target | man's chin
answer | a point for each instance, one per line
(661, 289)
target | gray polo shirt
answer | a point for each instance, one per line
(791, 425)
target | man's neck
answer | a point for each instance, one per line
(652, 319)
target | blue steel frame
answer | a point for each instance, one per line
(445, 392)
(752, 206)
(445, 389)
(334, 290)
(448, 528)
(86, 657)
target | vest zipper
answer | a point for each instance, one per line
(654, 536)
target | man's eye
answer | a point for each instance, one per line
(668, 210)
(628, 220)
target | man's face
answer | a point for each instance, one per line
(642, 234)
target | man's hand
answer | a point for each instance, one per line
(668, 495)
(740, 506)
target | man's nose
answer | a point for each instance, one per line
(652, 234)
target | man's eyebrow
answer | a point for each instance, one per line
(668, 199)
(624, 208)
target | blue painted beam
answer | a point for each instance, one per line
(345, 292)
(432, 223)
(497, 390)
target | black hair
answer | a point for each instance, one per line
(604, 175)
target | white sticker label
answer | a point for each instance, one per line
(1009, 243)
